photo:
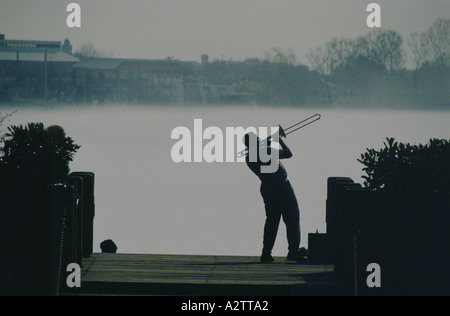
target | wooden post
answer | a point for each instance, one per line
(88, 211)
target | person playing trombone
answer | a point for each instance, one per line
(279, 199)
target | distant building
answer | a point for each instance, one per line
(213, 83)
(129, 80)
(47, 70)
(35, 69)
(199, 89)
(28, 46)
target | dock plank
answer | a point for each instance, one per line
(161, 274)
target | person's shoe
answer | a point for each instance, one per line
(267, 258)
(301, 256)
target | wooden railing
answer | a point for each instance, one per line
(77, 203)
(405, 234)
(43, 228)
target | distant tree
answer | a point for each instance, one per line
(275, 80)
(433, 80)
(380, 46)
(325, 60)
(433, 45)
(439, 40)
(88, 50)
(419, 46)
(386, 48)
(335, 54)
(340, 50)
(280, 80)
(319, 60)
(278, 55)
(370, 69)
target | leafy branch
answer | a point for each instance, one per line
(408, 168)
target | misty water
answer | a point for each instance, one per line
(147, 203)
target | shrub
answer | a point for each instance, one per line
(406, 229)
(31, 217)
(410, 169)
(35, 153)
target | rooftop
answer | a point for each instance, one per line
(113, 64)
(37, 56)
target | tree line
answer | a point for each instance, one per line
(358, 72)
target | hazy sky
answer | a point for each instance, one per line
(229, 29)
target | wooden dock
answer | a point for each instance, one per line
(152, 274)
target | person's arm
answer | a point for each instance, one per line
(283, 153)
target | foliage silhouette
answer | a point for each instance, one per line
(407, 218)
(409, 168)
(33, 152)
(32, 158)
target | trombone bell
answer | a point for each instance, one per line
(281, 132)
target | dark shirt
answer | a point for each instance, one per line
(276, 179)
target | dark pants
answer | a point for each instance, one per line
(280, 201)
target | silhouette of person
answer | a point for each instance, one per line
(279, 199)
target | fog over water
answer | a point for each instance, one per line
(147, 203)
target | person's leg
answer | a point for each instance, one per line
(273, 217)
(291, 218)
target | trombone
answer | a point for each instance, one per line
(286, 131)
